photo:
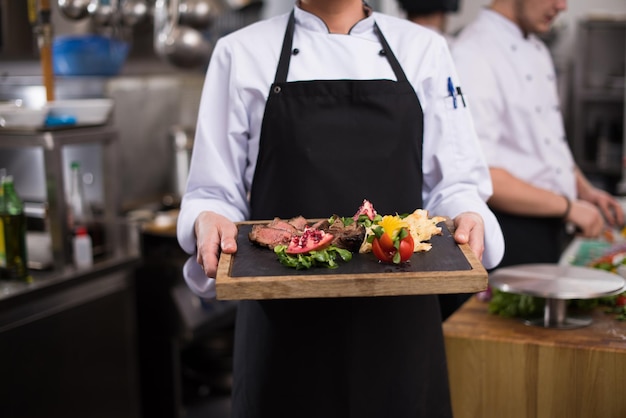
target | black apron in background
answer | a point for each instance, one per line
(531, 239)
(325, 146)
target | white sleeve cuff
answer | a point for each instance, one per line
(197, 281)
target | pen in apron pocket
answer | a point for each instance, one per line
(452, 92)
(458, 90)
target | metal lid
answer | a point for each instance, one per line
(557, 281)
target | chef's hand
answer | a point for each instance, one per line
(587, 218)
(470, 229)
(608, 205)
(214, 234)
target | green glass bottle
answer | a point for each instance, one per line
(14, 225)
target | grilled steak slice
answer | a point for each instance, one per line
(348, 237)
(299, 222)
(278, 223)
(268, 236)
(322, 224)
(279, 232)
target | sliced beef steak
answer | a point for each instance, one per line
(280, 232)
(281, 224)
(348, 237)
(277, 232)
(267, 236)
(299, 222)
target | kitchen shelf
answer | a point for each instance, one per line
(596, 127)
(52, 142)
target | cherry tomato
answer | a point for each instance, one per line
(620, 301)
(385, 251)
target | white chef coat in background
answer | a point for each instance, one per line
(456, 178)
(510, 85)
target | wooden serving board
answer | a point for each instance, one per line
(255, 273)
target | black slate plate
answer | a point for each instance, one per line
(254, 261)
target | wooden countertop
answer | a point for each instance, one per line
(500, 367)
(474, 321)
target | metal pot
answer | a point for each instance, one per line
(102, 13)
(74, 9)
(186, 47)
(182, 46)
(199, 14)
(133, 11)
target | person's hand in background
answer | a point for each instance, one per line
(610, 208)
(587, 218)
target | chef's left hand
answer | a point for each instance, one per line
(608, 205)
(470, 229)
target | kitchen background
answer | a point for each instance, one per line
(174, 348)
(156, 92)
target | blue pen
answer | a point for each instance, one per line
(452, 92)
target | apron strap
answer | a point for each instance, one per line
(285, 53)
(393, 61)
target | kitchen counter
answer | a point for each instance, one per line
(68, 342)
(14, 292)
(499, 367)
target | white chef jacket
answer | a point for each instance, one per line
(237, 84)
(510, 85)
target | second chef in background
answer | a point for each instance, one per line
(510, 82)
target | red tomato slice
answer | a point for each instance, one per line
(382, 255)
(386, 243)
(406, 248)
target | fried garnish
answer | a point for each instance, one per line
(422, 228)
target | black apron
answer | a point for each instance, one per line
(325, 146)
(531, 239)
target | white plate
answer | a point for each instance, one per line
(12, 116)
(85, 111)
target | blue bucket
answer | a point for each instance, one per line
(93, 55)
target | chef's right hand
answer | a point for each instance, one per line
(214, 234)
(587, 218)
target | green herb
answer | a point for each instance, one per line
(513, 305)
(328, 257)
(363, 220)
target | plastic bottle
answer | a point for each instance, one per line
(82, 249)
(79, 211)
(14, 226)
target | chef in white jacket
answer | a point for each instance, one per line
(510, 85)
(307, 114)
